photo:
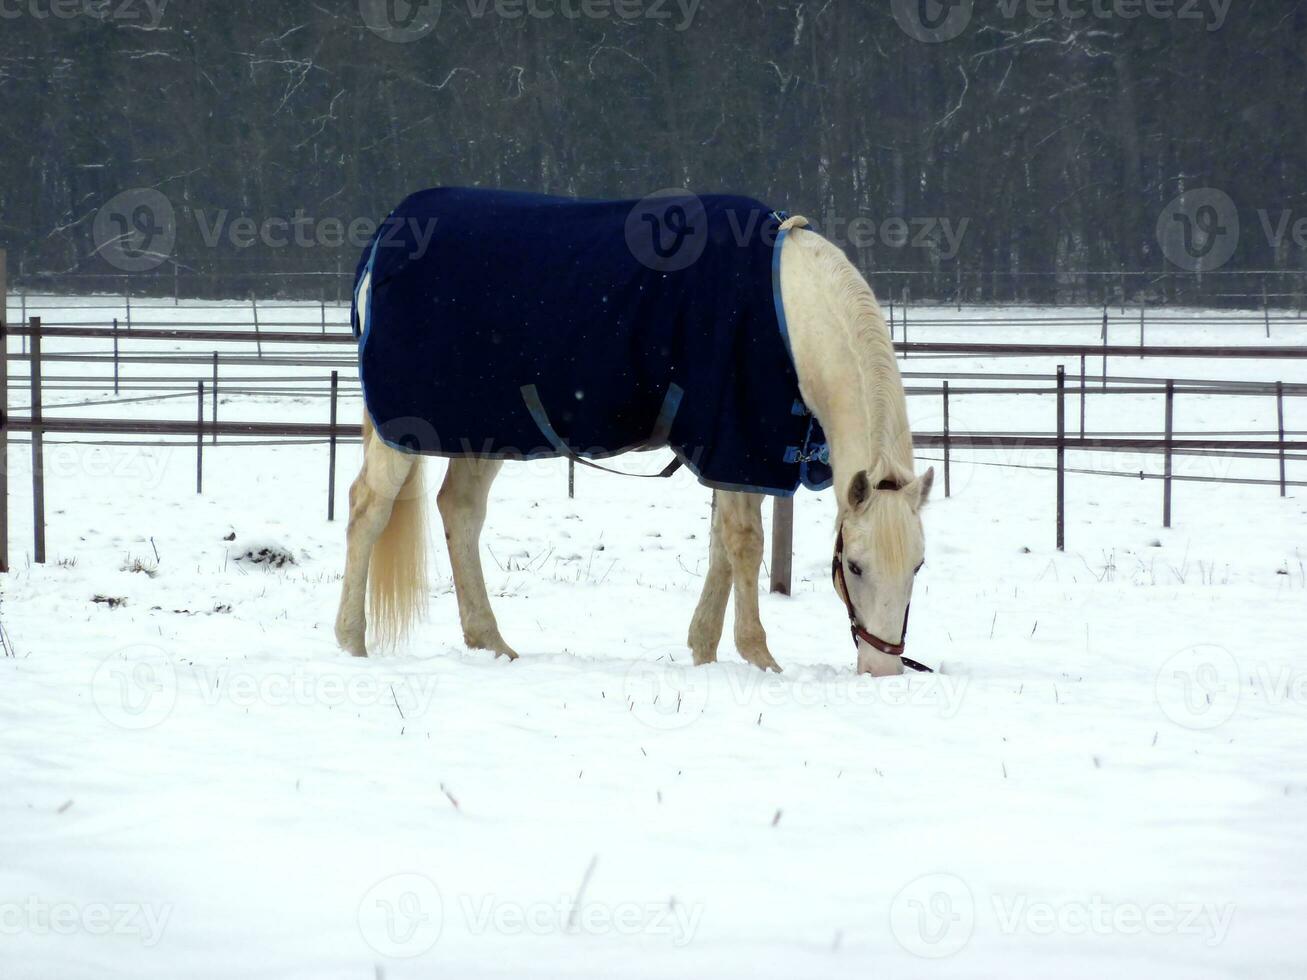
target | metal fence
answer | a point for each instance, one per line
(953, 281)
(329, 349)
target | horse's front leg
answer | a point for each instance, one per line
(462, 503)
(741, 522)
(710, 614)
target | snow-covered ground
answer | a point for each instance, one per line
(1107, 776)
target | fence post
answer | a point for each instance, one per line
(1104, 379)
(1143, 307)
(891, 318)
(128, 298)
(1279, 411)
(905, 319)
(258, 340)
(1266, 308)
(4, 411)
(1166, 473)
(1061, 457)
(782, 544)
(571, 479)
(331, 452)
(38, 449)
(1082, 396)
(115, 355)
(324, 315)
(215, 398)
(959, 287)
(948, 483)
(199, 437)
(176, 287)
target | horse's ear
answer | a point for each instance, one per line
(859, 490)
(920, 488)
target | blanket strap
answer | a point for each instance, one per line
(662, 431)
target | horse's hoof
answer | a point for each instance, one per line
(354, 647)
(763, 661)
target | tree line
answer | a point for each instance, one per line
(1039, 154)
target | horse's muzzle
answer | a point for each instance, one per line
(877, 664)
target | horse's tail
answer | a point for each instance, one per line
(397, 575)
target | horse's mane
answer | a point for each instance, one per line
(872, 350)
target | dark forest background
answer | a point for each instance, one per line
(1058, 140)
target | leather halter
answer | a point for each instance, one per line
(858, 631)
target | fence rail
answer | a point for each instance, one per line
(318, 351)
(952, 281)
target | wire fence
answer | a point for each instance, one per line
(230, 358)
(953, 282)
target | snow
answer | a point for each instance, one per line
(1106, 776)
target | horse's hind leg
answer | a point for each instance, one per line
(462, 503)
(371, 504)
(710, 614)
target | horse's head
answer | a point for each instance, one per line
(879, 549)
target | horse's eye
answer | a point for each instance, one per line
(855, 569)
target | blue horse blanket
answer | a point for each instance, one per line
(511, 325)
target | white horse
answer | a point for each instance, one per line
(848, 377)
